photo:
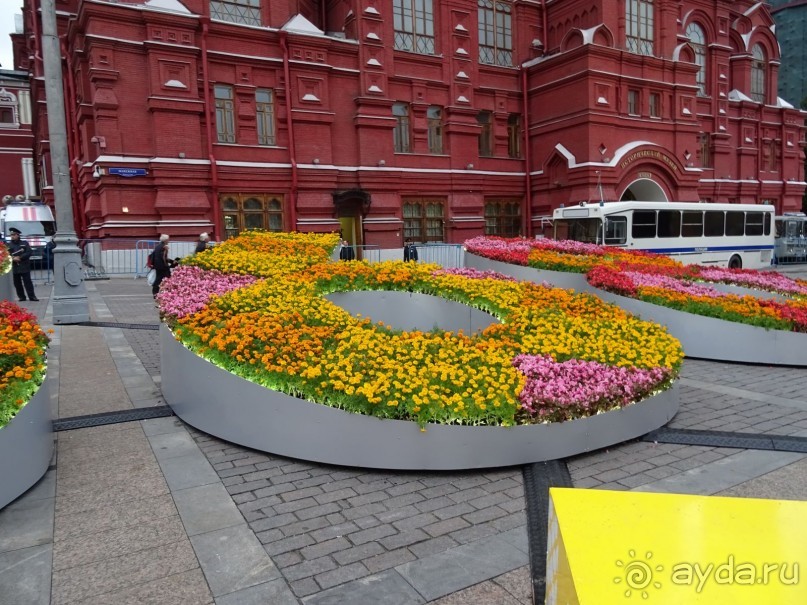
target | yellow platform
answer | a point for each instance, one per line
(608, 547)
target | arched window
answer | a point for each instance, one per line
(697, 40)
(758, 63)
(8, 109)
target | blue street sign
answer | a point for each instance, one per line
(128, 172)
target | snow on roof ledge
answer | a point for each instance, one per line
(301, 25)
(168, 5)
(780, 102)
(736, 95)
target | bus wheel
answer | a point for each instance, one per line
(735, 262)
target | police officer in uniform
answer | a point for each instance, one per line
(20, 253)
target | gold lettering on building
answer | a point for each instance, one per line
(649, 154)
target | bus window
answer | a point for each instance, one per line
(616, 230)
(579, 230)
(767, 223)
(754, 223)
(644, 224)
(735, 223)
(669, 223)
(780, 228)
(714, 223)
(792, 229)
(692, 223)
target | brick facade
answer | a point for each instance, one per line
(339, 117)
(16, 137)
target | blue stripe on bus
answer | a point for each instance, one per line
(708, 249)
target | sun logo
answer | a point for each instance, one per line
(638, 574)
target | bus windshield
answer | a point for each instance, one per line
(32, 228)
(587, 230)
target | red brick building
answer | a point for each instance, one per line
(16, 138)
(438, 120)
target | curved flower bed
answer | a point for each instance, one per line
(670, 290)
(282, 333)
(559, 255)
(22, 358)
(26, 436)
(663, 281)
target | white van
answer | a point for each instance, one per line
(33, 219)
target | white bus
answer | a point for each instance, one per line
(728, 235)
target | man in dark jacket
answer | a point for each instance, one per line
(20, 253)
(347, 252)
(410, 252)
(162, 263)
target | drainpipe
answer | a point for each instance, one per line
(527, 157)
(37, 39)
(290, 122)
(74, 146)
(214, 170)
(545, 33)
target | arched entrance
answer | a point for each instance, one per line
(644, 190)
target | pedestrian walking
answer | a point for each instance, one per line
(20, 253)
(201, 245)
(161, 263)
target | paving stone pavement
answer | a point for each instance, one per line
(146, 512)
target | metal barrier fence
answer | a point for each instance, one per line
(103, 258)
(451, 256)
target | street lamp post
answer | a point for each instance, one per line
(69, 294)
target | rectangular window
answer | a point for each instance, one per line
(754, 223)
(771, 162)
(243, 212)
(639, 25)
(265, 116)
(644, 224)
(633, 102)
(669, 223)
(245, 12)
(704, 145)
(735, 223)
(616, 230)
(434, 119)
(503, 217)
(714, 223)
(692, 223)
(655, 105)
(485, 121)
(514, 135)
(413, 21)
(400, 134)
(423, 219)
(225, 115)
(495, 33)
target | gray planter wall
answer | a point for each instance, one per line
(6, 286)
(561, 279)
(743, 291)
(222, 404)
(26, 447)
(718, 339)
(410, 311)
